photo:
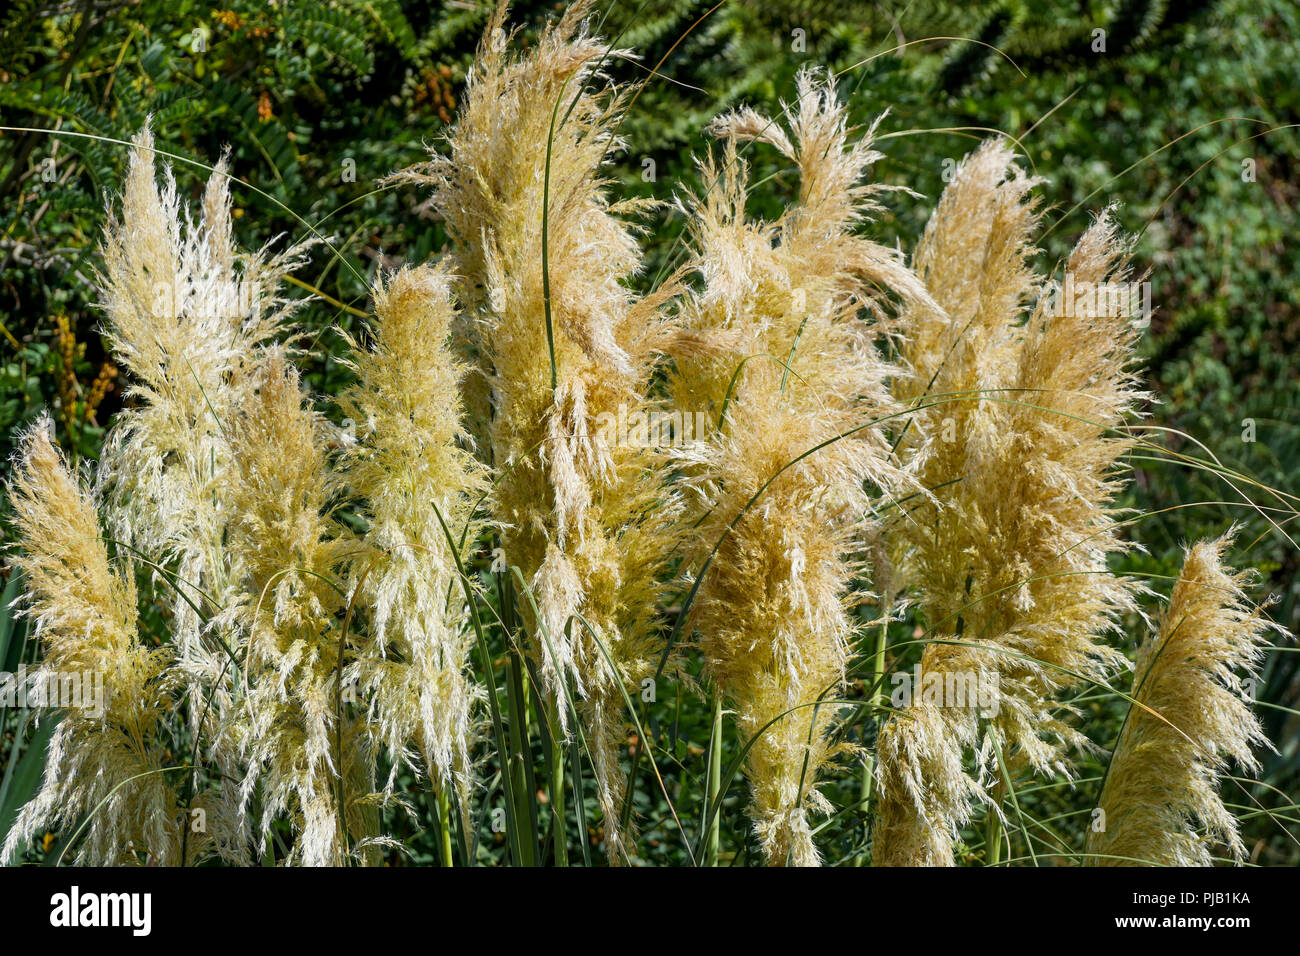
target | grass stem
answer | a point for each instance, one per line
(444, 825)
(558, 832)
(877, 702)
(715, 782)
(993, 831)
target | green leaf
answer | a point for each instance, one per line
(21, 780)
(7, 619)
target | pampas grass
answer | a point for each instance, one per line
(410, 467)
(105, 760)
(562, 346)
(474, 576)
(778, 359)
(1009, 553)
(1191, 716)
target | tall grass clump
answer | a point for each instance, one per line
(1018, 444)
(1191, 715)
(410, 467)
(780, 362)
(106, 766)
(475, 583)
(189, 316)
(563, 348)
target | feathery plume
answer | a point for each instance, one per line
(583, 514)
(775, 353)
(187, 314)
(105, 761)
(1192, 715)
(410, 470)
(287, 724)
(1019, 452)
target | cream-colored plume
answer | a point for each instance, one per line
(1015, 437)
(412, 473)
(581, 511)
(187, 314)
(1192, 716)
(106, 759)
(779, 363)
(286, 725)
